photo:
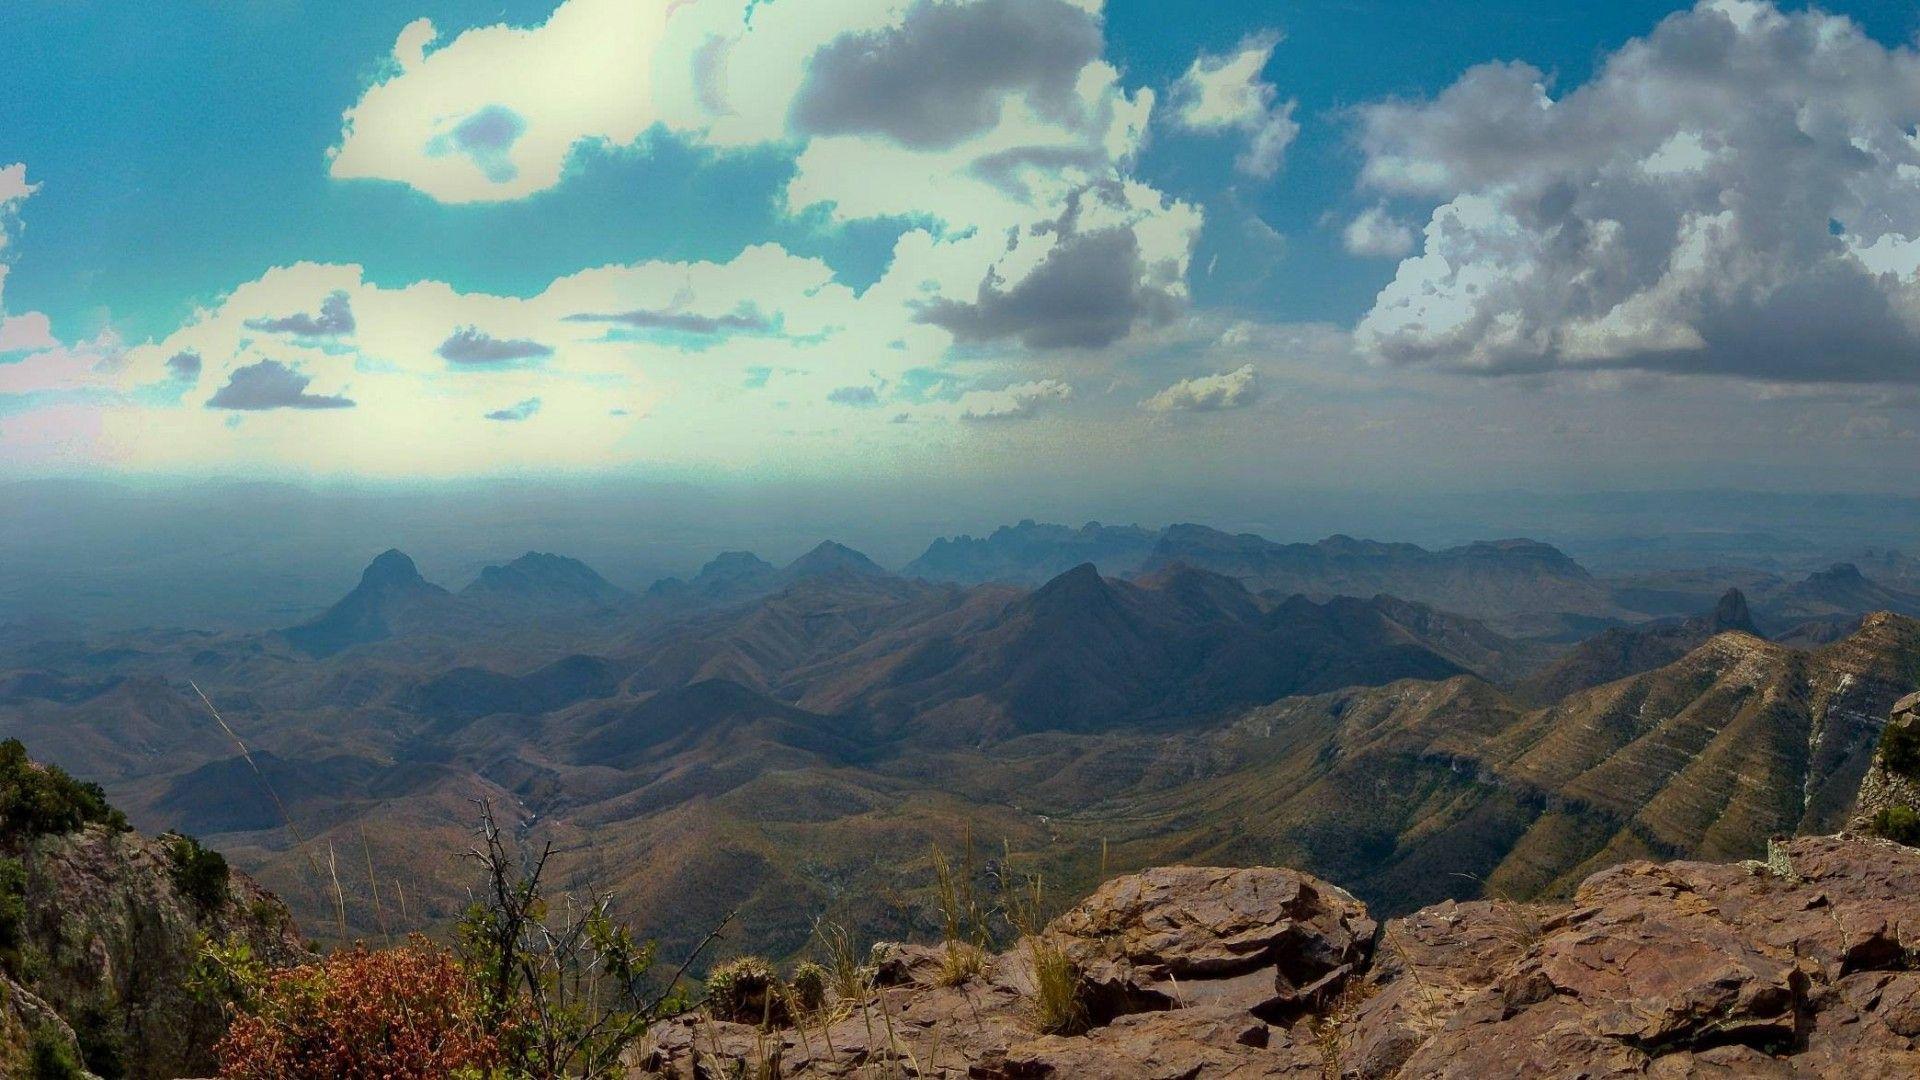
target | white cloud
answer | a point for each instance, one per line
(1208, 393)
(493, 113)
(1375, 233)
(1734, 193)
(997, 119)
(1227, 93)
(1010, 402)
(29, 330)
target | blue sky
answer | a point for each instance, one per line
(191, 174)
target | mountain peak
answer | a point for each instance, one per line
(1840, 573)
(390, 568)
(1731, 613)
(540, 575)
(829, 556)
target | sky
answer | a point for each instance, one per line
(963, 243)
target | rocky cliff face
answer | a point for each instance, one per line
(1802, 965)
(1892, 785)
(100, 931)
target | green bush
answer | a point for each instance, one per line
(52, 1058)
(198, 873)
(103, 1041)
(13, 906)
(1900, 824)
(36, 800)
(1900, 749)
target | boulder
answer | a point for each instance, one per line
(1268, 941)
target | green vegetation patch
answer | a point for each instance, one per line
(1900, 824)
(1900, 749)
(37, 800)
(198, 873)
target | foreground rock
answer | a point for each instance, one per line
(1802, 966)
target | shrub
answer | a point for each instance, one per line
(40, 799)
(1900, 749)
(51, 1057)
(13, 907)
(199, 874)
(1900, 824)
(746, 991)
(406, 1013)
(102, 1039)
(807, 990)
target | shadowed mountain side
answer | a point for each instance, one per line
(1623, 651)
(711, 713)
(468, 693)
(1420, 791)
(391, 593)
(1088, 653)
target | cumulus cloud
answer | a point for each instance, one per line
(1208, 393)
(1375, 233)
(1227, 93)
(335, 318)
(493, 113)
(1011, 402)
(1733, 194)
(469, 345)
(942, 73)
(1090, 289)
(270, 384)
(185, 365)
(29, 330)
(516, 412)
(991, 121)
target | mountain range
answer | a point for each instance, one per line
(790, 739)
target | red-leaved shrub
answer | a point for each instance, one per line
(405, 1013)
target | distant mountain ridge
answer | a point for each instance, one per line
(541, 578)
(1030, 553)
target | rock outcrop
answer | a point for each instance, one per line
(1807, 965)
(101, 931)
(1892, 784)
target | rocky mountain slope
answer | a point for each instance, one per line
(1799, 966)
(101, 929)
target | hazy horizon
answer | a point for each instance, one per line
(262, 554)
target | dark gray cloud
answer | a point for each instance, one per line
(860, 397)
(939, 76)
(336, 317)
(184, 365)
(682, 321)
(1090, 291)
(486, 137)
(471, 345)
(517, 412)
(271, 384)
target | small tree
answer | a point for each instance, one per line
(564, 984)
